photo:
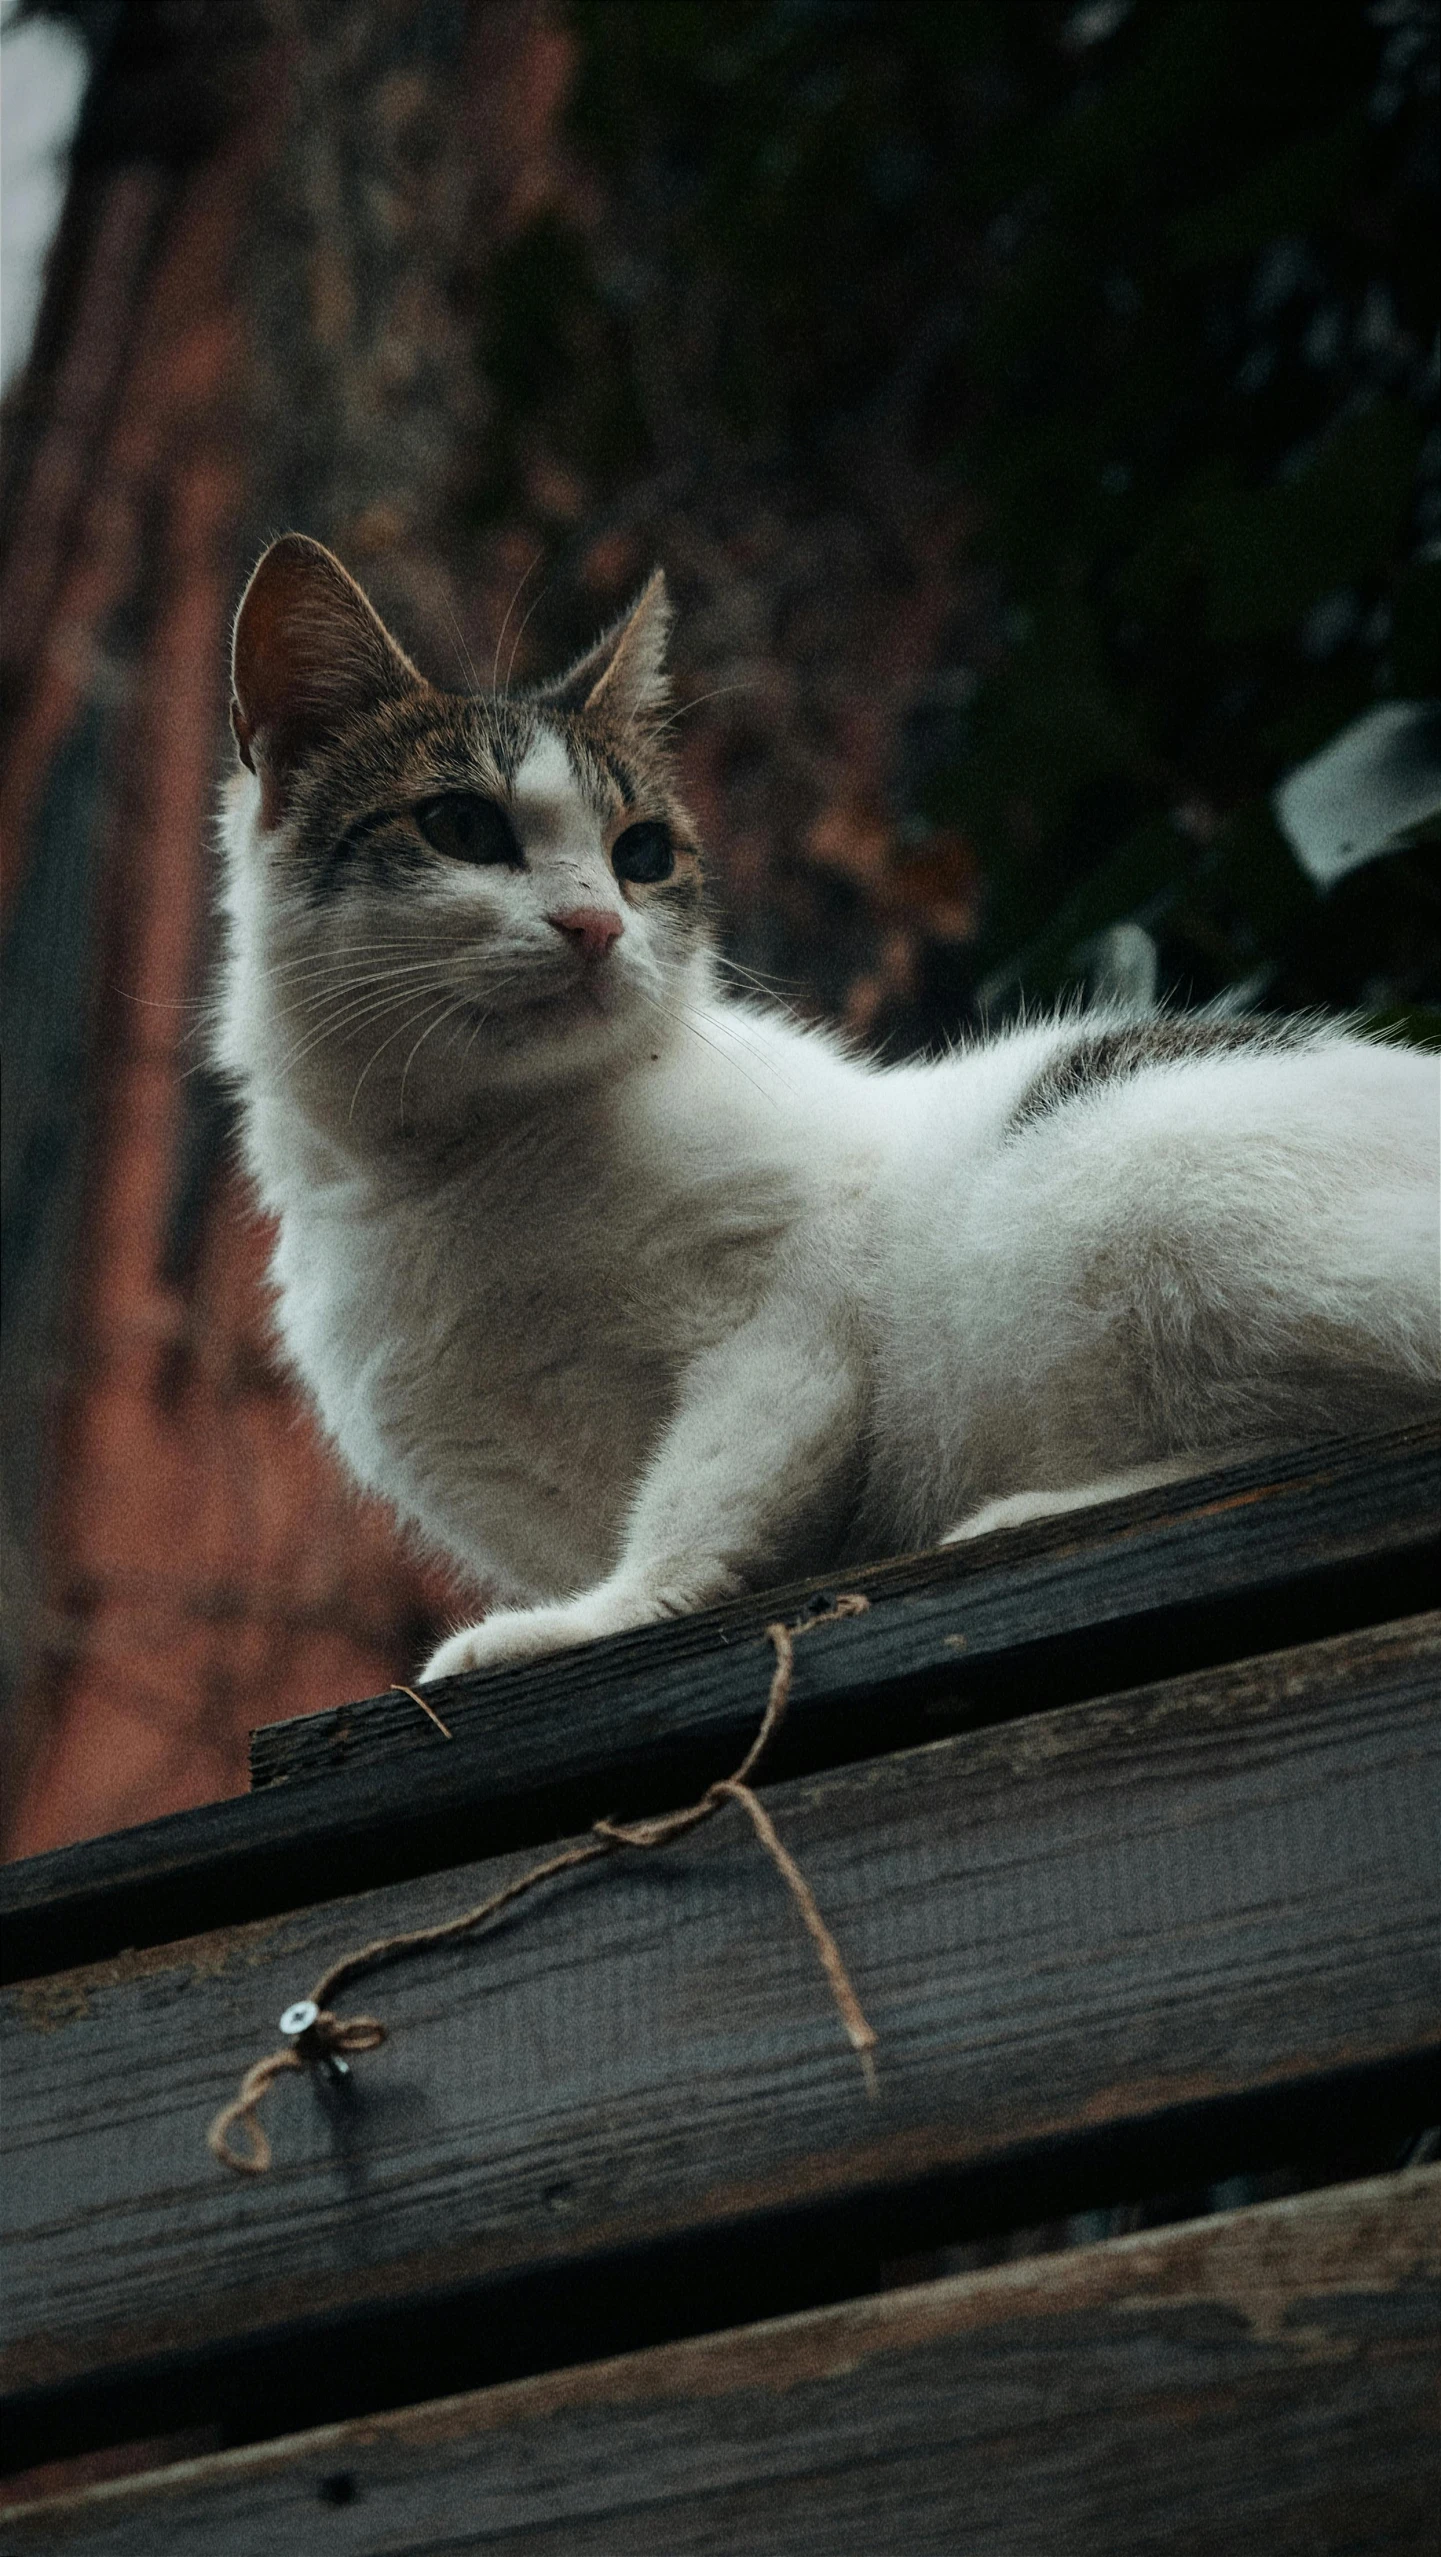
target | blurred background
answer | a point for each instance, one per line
(1034, 410)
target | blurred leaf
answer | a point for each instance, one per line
(1138, 879)
(1367, 793)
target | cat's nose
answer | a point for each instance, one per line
(594, 928)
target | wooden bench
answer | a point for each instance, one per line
(1126, 1827)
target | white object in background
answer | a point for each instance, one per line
(1122, 967)
(1365, 791)
(43, 70)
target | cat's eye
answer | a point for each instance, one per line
(468, 828)
(644, 853)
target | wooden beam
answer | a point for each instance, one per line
(1107, 1916)
(1253, 1556)
(1263, 2379)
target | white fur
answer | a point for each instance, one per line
(630, 1298)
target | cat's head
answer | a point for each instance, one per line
(435, 894)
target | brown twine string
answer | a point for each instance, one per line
(341, 2036)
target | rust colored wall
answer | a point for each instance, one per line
(201, 1567)
(279, 319)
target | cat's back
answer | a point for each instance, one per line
(1112, 1239)
(1094, 1085)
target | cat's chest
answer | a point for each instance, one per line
(500, 1370)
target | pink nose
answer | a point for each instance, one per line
(594, 927)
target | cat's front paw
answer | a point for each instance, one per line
(512, 1633)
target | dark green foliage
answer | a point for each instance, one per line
(1203, 335)
(1154, 289)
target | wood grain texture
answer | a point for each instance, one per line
(1256, 1526)
(1252, 1557)
(1071, 1922)
(1262, 2380)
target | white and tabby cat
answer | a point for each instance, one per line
(628, 1295)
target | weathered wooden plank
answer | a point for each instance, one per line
(1260, 2380)
(1238, 1561)
(1258, 1529)
(1074, 1922)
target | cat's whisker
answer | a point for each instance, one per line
(768, 983)
(163, 1002)
(366, 982)
(376, 965)
(352, 1017)
(353, 989)
(686, 1023)
(357, 954)
(380, 1051)
(369, 941)
(720, 1022)
(683, 709)
(297, 1056)
(465, 656)
(525, 576)
(457, 1005)
(407, 1023)
(481, 1019)
(358, 977)
(304, 993)
(537, 598)
(723, 1022)
(413, 938)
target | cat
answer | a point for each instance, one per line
(629, 1295)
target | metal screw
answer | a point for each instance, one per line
(298, 2025)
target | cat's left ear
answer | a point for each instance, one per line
(623, 678)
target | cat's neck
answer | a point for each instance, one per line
(721, 1090)
(380, 1149)
(714, 1076)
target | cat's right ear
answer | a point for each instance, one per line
(623, 678)
(310, 653)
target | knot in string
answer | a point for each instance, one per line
(319, 2038)
(322, 2038)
